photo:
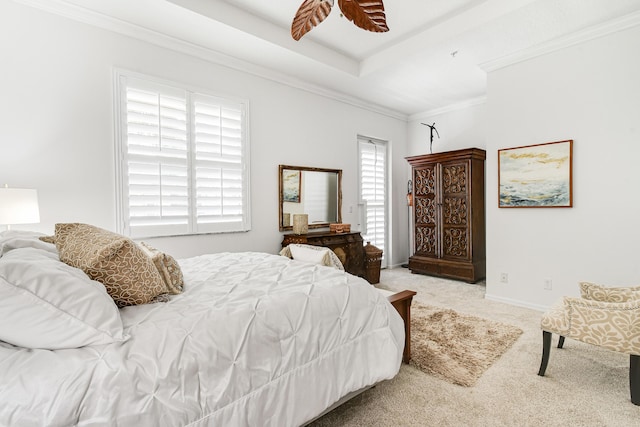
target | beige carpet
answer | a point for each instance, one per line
(457, 348)
(585, 386)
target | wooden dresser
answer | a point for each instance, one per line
(347, 246)
(448, 214)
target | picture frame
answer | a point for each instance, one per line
(291, 185)
(536, 176)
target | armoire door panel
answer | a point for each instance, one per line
(455, 243)
(425, 211)
(454, 178)
(455, 211)
(426, 242)
(424, 181)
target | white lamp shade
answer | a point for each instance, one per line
(19, 206)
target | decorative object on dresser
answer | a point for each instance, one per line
(300, 223)
(340, 228)
(347, 246)
(316, 192)
(448, 214)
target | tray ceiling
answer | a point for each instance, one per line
(434, 55)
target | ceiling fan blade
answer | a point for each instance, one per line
(310, 14)
(366, 14)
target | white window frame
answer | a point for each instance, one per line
(121, 78)
(365, 206)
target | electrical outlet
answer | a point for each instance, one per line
(504, 277)
(548, 284)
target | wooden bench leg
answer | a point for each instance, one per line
(634, 378)
(560, 341)
(402, 303)
(546, 349)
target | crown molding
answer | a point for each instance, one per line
(138, 32)
(472, 102)
(612, 26)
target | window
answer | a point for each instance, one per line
(182, 158)
(373, 191)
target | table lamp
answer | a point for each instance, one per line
(18, 206)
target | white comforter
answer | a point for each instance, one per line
(255, 340)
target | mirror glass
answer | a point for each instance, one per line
(316, 192)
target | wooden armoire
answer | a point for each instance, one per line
(448, 214)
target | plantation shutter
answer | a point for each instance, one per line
(157, 158)
(373, 193)
(184, 166)
(218, 163)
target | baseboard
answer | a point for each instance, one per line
(391, 267)
(517, 303)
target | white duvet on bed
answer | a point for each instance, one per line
(255, 340)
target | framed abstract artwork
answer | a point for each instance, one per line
(536, 176)
(291, 185)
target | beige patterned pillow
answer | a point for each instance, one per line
(596, 292)
(167, 267)
(127, 273)
(48, 239)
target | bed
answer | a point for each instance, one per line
(254, 339)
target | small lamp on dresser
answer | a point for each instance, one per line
(300, 223)
(18, 206)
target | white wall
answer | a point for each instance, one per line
(459, 128)
(589, 93)
(57, 127)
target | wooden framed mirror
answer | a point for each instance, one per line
(316, 192)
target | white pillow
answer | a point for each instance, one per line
(311, 254)
(14, 239)
(44, 303)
